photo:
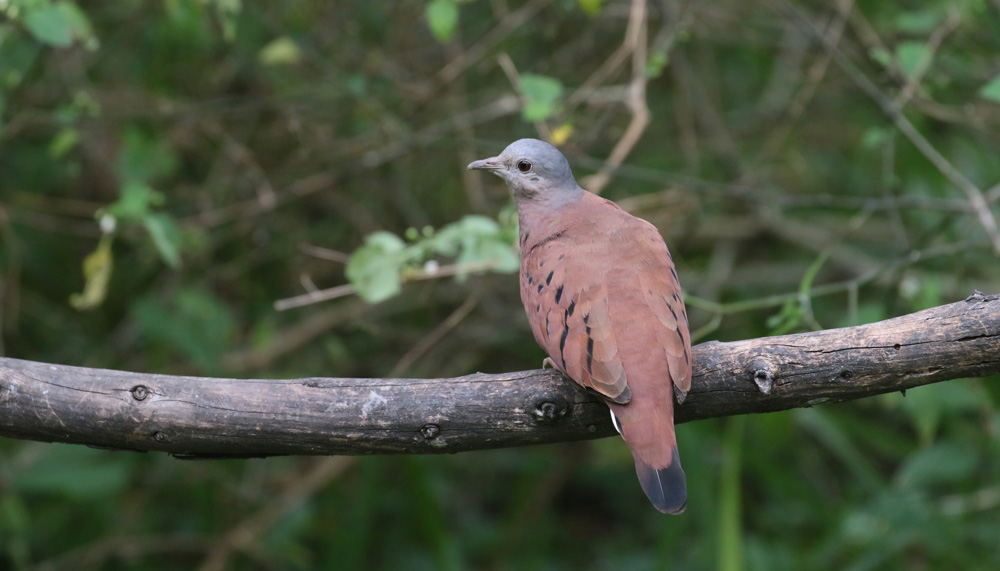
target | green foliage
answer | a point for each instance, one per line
(542, 96)
(194, 324)
(280, 51)
(991, 90)
(378, 268)
(591, 7)
(56, 23)
(258, 142)
(442, 17)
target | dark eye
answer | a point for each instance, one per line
(523, 166)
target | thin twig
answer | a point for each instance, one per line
(635, 39)
(973, 194)
(476, 52)
(514, 77)
(244, 535)
(432, 338)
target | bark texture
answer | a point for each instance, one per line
(208, 417)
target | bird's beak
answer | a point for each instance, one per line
(490, 164)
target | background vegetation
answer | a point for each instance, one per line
(169, 170)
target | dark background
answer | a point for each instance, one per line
(244, 151)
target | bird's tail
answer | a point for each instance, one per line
(666, 488)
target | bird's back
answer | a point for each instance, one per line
(602, 296)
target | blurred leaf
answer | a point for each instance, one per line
(991, 90)
(541, 96)
(166, 237)
(136, 202)
(912, 56)
(228, 12)
(657, 61)
(53, 24)
(730, 549)
(143, 158)
(374, 268)
(442, 17)
(74, 472)
(96, 274)
(881, 56)
(63, 142)
(918, 21)
(940, 463)
(928, 404)
(193, 322)
(591, 7)
(280, 51)
(561, 134)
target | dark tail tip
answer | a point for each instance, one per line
(666, 488)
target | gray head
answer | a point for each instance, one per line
(532, 169)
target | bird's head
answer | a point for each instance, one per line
(533, 170)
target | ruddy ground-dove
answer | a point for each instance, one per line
(603, 300)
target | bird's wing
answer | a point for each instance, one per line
(568, 312)
(588, 281)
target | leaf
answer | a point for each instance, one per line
(917, 22)
(442, 17)
(75, 472)
(280, 51)
(63, 142)
(51, 24)
(561, 134)
(192, 322)
(97, 268)
(143, 158)
(166, 237)
(940, 463)
(135, 202)
(991, 90)
(927, 405)
(591, 7)
(374, 268)
(912, 56)
(541, 96)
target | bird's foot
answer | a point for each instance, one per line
(548, 361)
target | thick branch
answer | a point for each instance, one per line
(197, 417)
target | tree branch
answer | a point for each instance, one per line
(203, 417)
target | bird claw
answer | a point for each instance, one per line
(548, 361)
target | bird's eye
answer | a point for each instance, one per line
(523, 166)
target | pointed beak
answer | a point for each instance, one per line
(490, 164)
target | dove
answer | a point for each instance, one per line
(603, 300)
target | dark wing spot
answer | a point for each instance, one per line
(590, 352)
(558, 292)
(686, 361)
(562, 345)
(561, 256)
(572, 305)
(540, 286)
(541, 263)
(538, 308)
(586, 318)
(672, 312)
(529, 279)
(681, 335)
(548, 279)
(674, 273)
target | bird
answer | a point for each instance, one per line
(604, 301)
